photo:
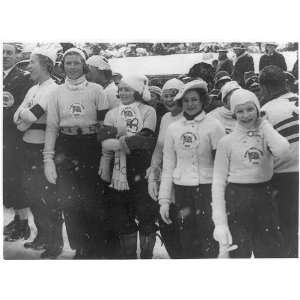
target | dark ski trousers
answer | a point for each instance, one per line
(77, 161)
(191, 233)
(127, 212)
(286, 186)
(13, 195)
(42, 196)
(253, 221)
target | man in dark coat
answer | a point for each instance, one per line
(243, 64)
(15, 85)
(224, 63)
(272, 57)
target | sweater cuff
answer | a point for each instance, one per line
(164, 201)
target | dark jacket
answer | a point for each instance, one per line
(243, 64)
(225, 65)
(276, 59)
(17, 83)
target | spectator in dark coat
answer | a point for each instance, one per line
(224, 63)
(15, 85)
(243, 64)
(272, 57)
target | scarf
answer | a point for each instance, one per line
(76, 84)
(129, 117)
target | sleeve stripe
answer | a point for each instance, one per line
(38, 126)
(37, 110)
(294, 140)
(289, 131)
(293, 118)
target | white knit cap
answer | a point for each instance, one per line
(76, 50)
(242, 96)
(98, 62)
(173, 83)
(195, 84)
(139, 83)
(229, 87)
(49, 51)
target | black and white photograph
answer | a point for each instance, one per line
(150, 150)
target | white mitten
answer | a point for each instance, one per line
(105, 167)
(222, 235)
(164, 212)
(50, 171)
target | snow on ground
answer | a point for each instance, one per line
(178, 63)
(16, 250)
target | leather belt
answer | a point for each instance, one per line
(76, 130)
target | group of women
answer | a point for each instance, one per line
(114, 180)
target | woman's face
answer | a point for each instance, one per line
(168, 99)
(154, 99)
(191, 103)
(35, 69)
(126, 93)
(246, 114)
(73, 66)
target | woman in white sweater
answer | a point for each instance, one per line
(188, 155)
(244, 212)
(129, 135)
(71, 154)
(30, 118)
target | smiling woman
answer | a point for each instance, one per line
(75, 113)
(242, 194)
(133, 124)
(30, 118)
(188, 156)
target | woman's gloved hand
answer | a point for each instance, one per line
(50, 171)
(165, 213)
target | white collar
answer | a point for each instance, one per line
(6, 72)
(46, 82)
(199, 118)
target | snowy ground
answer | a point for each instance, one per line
(16, 250)
(179, 63)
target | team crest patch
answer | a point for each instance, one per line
(8, 99)
(188, 140)
(127, 113)
(254, 155)
(132, 123)
(76, 109)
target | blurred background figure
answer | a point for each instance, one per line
(215, 95)
(251, 83)
(281, 109)
(224, 63)
(100, 72)
(244, 63)
(157, 104)
(116, 78)
(16, 83)
(272, 57)
(291, 82)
